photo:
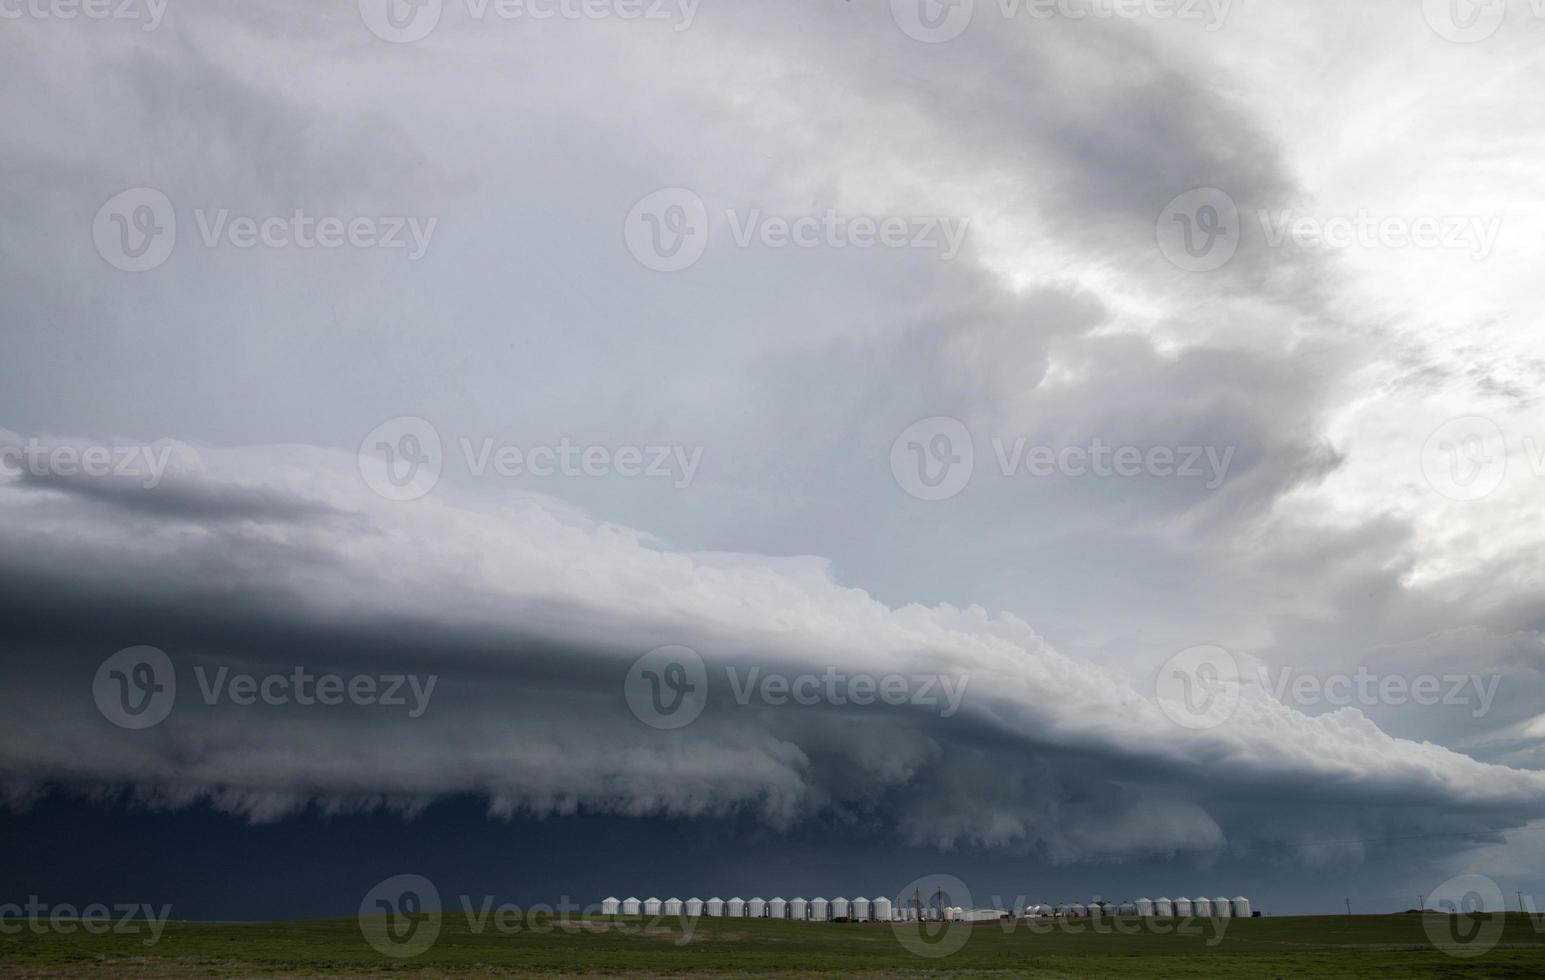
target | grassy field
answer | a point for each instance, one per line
(1276, 947)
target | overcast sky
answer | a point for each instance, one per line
(1123, 363)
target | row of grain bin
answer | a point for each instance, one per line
(1143, 908)
(817, 909)
(883, 910)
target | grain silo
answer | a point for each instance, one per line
(861, 909)
(714, 908)
(1144, 908)
(1241, 907)
(777, 909)
(1163, 908)
(609, 906)
(694, 907)
(839, 908)
(799, 909)
(1077, 911)
(630, 906)
(651, 906)
(735, 908)
(820, 909)
(672, 906)
(756, 908)
(882, 910)
(1221, 908)
(1201, 908)
(1183, 908)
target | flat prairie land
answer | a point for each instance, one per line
(1393, 946)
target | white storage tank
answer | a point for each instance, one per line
(1183, 908)
(1163, 908)
(694, 907)
(861, 909)
(735, 908)
(1241, 907)
(1144, 908)
(840, 908)
(630, 906)
(756, 908)
(777, 909)
(714, 908)
(651, 906)
(799, 909)
(672, 906)
(1077, 911)
(882, 909)
(610, 906)
(820, 909)
(1221, 908)
(1201, 908)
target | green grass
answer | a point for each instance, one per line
(1277, 947)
